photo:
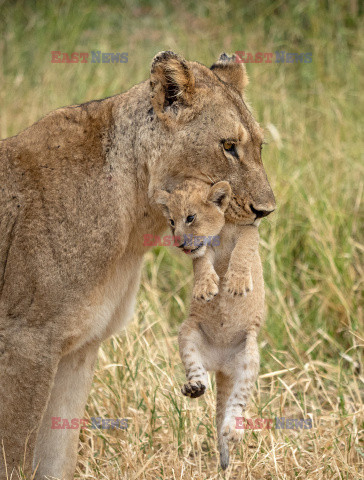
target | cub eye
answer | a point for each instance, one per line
(230, 147)
(190, 218)
(171, 222)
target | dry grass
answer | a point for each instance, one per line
(171, 437)
(312, 246)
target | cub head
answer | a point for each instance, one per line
(203, 129)
(195, 212)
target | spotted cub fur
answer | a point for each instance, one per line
(227, 309)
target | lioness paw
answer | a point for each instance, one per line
(238, 283)
(206, 288)
(193, 389)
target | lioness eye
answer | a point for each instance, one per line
(190, 218)
(171, 222)
(230, 147)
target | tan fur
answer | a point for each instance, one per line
(75, 203)
(221, 335)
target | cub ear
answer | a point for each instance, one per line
(172, 82)
(231, 71)
(162, 197)
(220, 194)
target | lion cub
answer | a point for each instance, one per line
(220, 335)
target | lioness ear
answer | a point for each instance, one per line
(220, 195)
(172, 82)
(231, 71)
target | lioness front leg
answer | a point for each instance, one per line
(238, 278)
(28, 363)
(56, 449)
(206, 280)
(190, 342)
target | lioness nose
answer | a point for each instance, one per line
(262, 212)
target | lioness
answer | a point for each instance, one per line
(220, 336)
(76, 201)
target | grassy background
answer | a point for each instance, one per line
(312, 246)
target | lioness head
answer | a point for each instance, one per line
(195, 212)
(206, 131)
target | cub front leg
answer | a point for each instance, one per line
(238, 279)
(238, 282)
(190, 342)
(206, 279)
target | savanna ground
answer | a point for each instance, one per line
(312, 246)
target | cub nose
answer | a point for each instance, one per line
(262, 212)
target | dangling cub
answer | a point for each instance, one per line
(220, 335)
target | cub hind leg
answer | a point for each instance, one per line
(244, 369)
(234, 385)
(190, 347)
(224, 386)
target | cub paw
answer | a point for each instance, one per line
(238, 283)
(231, 433)
(193, 389)
(206, 288)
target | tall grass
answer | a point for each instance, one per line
(312, 247)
